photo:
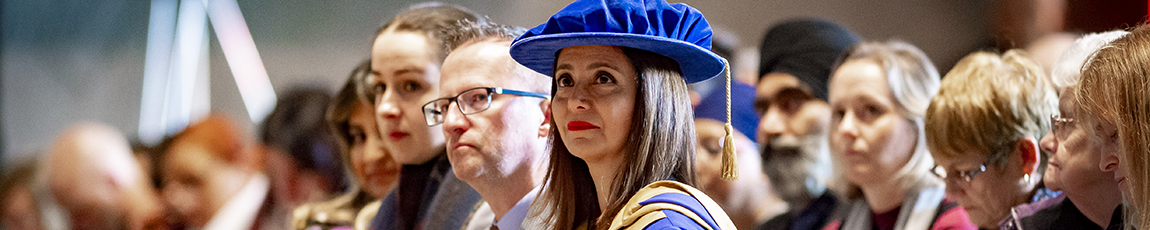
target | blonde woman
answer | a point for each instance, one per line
(1114, 98)
(1007, 101)
(878, 95)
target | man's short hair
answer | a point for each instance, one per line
(987, 103)
(467, 31)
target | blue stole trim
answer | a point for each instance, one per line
(685, 201)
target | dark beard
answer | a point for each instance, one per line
(788, 167)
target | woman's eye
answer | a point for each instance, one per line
(564, 80)
(357, 136)
(869, 112)
(789, 105)
(412, 86)
(378, 89)
(873, 110)
(604, 78)
(713, 147)
(838, 113)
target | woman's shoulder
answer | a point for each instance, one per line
(365, 214)
(340, 210)
(671, 205)
(952, 216)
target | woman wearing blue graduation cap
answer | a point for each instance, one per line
(623, 145)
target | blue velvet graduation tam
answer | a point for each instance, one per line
(743, 116)
(677, 31)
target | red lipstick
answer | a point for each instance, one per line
(397, 135)
(580, 126)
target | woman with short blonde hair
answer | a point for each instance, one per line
(983, 129)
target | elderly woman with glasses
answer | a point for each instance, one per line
(1091, 197)
(983, 129)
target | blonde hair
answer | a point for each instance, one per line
(1002, 99)
(1114, 90)
(912, 80)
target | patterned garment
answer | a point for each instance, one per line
(671, 205)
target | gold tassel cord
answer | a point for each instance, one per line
(730, 167)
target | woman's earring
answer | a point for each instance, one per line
(1026, 178)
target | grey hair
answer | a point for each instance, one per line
(1068, 69)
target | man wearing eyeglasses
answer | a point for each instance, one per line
(983, 129)
(495, 120)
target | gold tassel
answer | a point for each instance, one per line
(730, 166)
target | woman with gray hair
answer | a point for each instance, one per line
(1090, 198)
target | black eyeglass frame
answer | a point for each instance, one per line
(433, 116)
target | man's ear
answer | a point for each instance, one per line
(1027, 147)
(545, 128)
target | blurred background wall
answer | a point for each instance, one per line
(64, 61)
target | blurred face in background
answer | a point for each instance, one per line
(405, 75)
(197, 182)
(792, 135)
(709, 158)
(709, 163)
(93, 175)
(871, 139)
(145, 207)
(373, 166)
(791, 116)
(18, 209)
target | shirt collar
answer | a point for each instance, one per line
(514, 217)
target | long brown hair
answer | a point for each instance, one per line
(1113, 90)
(343, 105)
(661, 147)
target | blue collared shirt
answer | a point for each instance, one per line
(514, 217)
